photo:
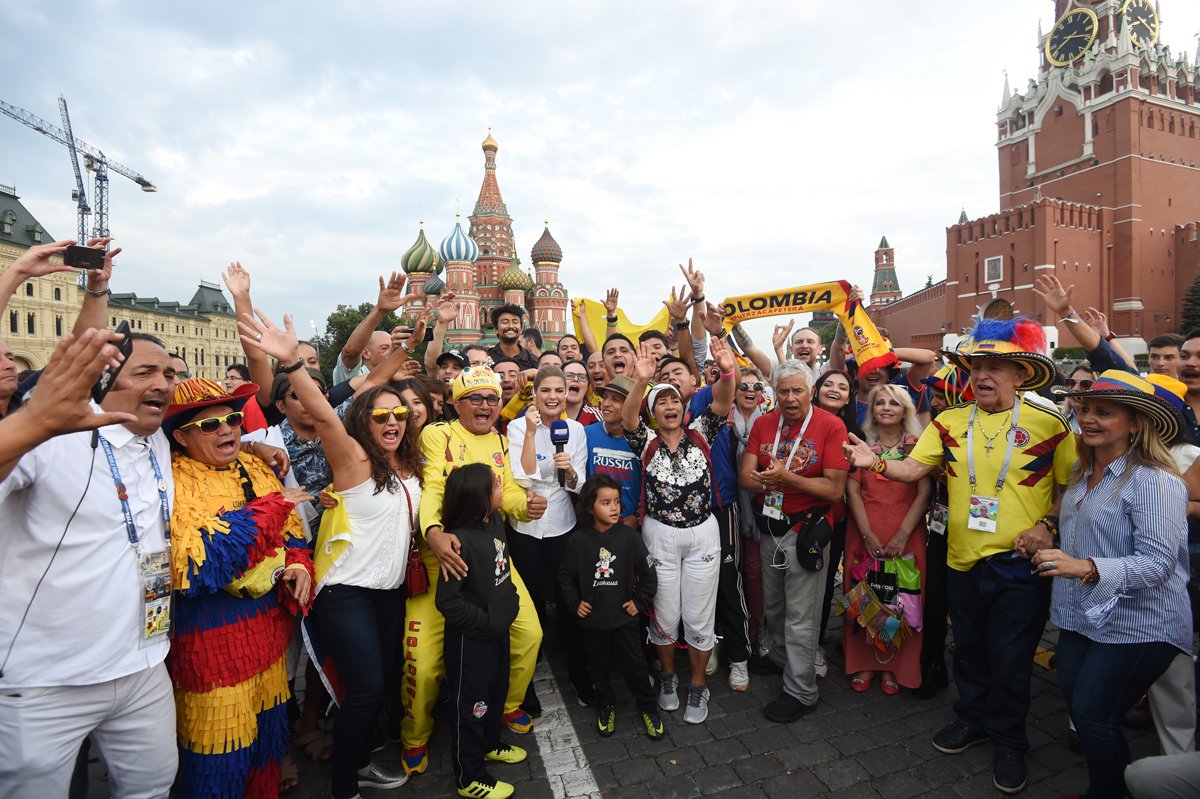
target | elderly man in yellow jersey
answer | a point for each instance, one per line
(1006, 460)
(445, 446)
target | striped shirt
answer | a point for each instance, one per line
(1133, 525)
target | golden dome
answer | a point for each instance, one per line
(489, 143)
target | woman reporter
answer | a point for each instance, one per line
(1121, 601)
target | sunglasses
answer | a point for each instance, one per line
(183, 375)
(380, 415)
(755, 386)
(212, 424)
(1083, 385)
(479, 399)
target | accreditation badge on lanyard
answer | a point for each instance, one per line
(983, 515)
(773, 500)
(154, 568)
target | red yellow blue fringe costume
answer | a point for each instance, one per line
(228, 659)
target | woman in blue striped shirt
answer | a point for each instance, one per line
(1122, 604)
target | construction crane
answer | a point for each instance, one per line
(94, 161)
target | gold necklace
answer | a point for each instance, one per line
(990, 443)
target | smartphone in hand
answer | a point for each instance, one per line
(82, 257)
(109, 376)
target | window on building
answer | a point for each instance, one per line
(57, 293)
(30, 324)
(993, 269)
(14, 324)
(28, 289)
(58, 326)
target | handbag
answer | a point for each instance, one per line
(884, 627)
(416, 577)
(908, 589)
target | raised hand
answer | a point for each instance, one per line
(1057, 298)
(577, 308)
(391, 293)
(447, 311)
(713, 319)
(722, 354)
(262, 335)
(610, 301)
(694, 278)
(856, 294)
(97, 279)
(237, 279)
(35, 262)
(645, 365)
(1096, 320)
(677, 306)
(779, 338)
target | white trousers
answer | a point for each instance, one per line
(1173, 705)
(687, 561)
(131, 719)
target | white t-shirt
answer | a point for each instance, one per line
(86, 623)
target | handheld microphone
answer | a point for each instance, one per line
(560, 434)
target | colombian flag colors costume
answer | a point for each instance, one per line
(233, 535)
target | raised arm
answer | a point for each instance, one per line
(398, 357)
(757, 357)
(94, 310)
(345, 455)
(34, 262)
(447, 312)
(391, 297)
(1096, 320)
(585, 329)
(677, 305)
(723, 391)
(1058, 300)
(237, 280)
(644, 367)
(779, 340)
(610, 307)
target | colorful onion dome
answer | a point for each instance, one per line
(513, 279)
(434, 285)
(489, 143)
(546, 250)
(458, 246)
(420, 258)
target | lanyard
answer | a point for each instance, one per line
(123, 495)
(1010, 438)
(795, 444)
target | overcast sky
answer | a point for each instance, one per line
(772, 142)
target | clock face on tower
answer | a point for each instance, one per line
(1073, 34)
(1142, 20)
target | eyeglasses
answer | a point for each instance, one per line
(1083, 385)
(755, 386)
(479, 399)
(212, 424)
(575, 377)
(380, 415)
(183, 375)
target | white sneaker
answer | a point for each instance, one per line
(697, 705)
(372, 776)
(668, 691)
(710, 668)
(819, 664)
(739, 677)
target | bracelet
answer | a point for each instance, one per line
(723, 333)
(684, 325)
(728, 375)
(404, 346)
(1093, 576)
(879, 465)
(104, 293)
(1072, 317)
(612, 320)
(1051, 523)
(1110, 336)
(699, 298)
(287, 370)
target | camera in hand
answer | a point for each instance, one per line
(82, 257)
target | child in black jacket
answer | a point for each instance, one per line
(608, 578)
(478, 609)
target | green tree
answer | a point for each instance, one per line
(827, 333)
(339, 326)
(1190, 318)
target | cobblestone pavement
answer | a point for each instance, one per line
(859, 745)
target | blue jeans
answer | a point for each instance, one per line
(359, 627)
(997, 625)
(1100, 683)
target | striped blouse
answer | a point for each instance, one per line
(1133, 525)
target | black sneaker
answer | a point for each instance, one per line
(654, 725)
(958, 736)
(785, 709)
(763, 665)
(606, 720)
(1008, 770)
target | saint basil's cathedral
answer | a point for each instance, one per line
(480, 265)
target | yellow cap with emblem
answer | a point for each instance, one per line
(474, 378)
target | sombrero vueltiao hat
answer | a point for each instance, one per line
(1143, 396)
(192, 395)
(954, 384)
(1020, 340)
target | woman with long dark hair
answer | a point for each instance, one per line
(362, 548)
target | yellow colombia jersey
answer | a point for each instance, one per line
(447, 445)
(1044, 453)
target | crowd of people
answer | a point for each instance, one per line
(416, 525)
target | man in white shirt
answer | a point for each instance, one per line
(75, 659)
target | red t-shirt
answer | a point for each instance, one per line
(821, 449)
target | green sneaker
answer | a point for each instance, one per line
(506, 753)
(654, 725)
(606, 720)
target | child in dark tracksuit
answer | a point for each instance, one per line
(608, 578)
(478, 610)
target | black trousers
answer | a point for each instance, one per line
(619, 650)
(538, 560)
(933, 635)
(477, 677)
(837, 547)
(733, 618)
(359, 626)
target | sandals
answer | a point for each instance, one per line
(889, 685)
(315, 744)
(289, 777)
(862, 684)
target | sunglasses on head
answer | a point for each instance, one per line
(479, 399)
(1083, 385)
(212, 424)
(755, 386)
(380, 415)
